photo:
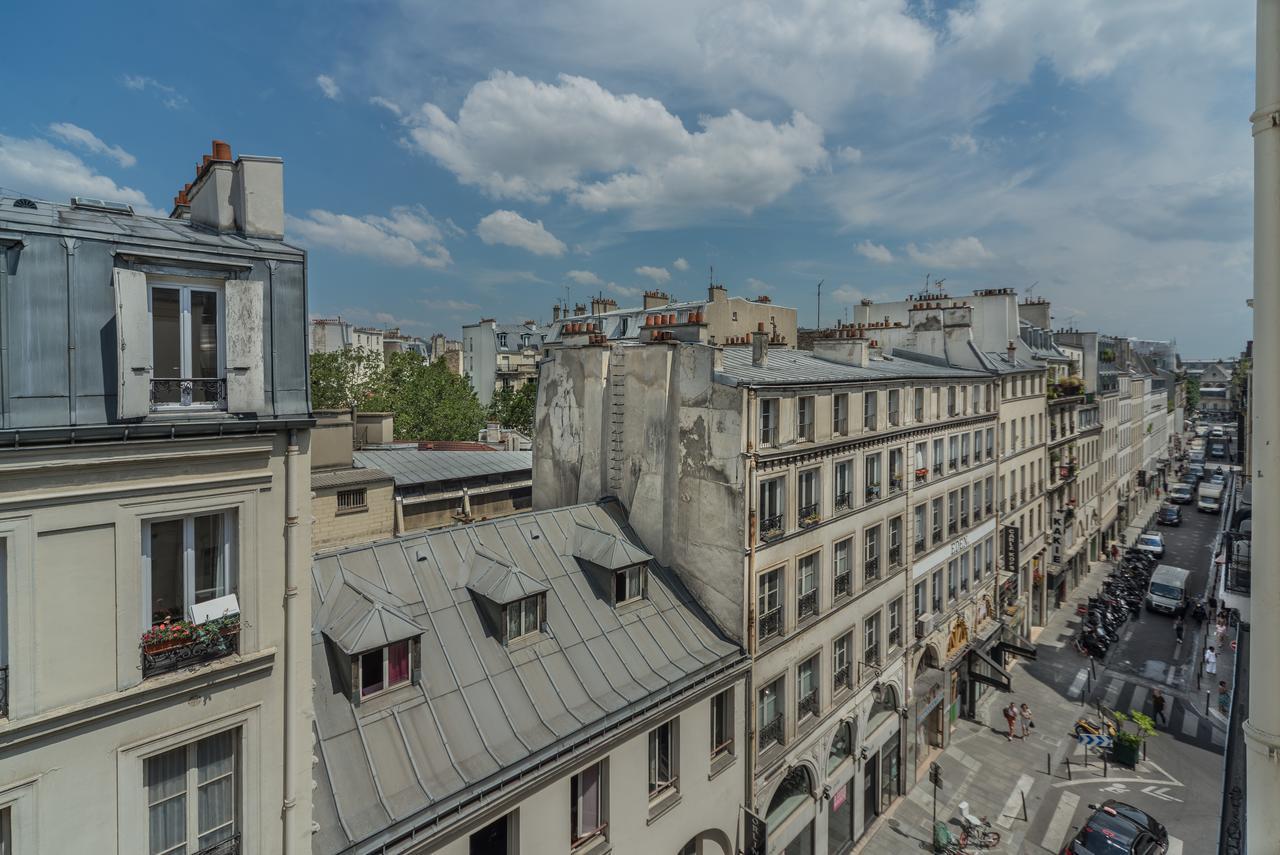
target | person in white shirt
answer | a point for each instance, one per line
(1210, 661)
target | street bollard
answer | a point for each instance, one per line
(1144, 750)
(1104, 764)
(1206, 703)
(1068, 759)
(1048, 763)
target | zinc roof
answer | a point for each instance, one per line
(411, 466)
(347, 478)
(787, 367)
(482, 712)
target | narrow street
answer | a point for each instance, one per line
(1033, 798)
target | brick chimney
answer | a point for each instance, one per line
(654, 299)
(760, 346)
(245, 195)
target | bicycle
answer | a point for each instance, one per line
(949, 844)
(976, 830)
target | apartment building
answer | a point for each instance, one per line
(152, 531)
(723, 318)
(834, 513)
(500, 356)
(529, 685)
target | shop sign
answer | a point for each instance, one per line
(1009, 548)
(841, 795)
(755, 834)
(959, 636)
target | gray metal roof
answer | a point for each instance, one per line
(359, 615)
(606, 550)
(788, 367)
(410, 466)
(496, 579)
(483, 713)
(347, 478)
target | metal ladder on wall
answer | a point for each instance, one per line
(617, 419)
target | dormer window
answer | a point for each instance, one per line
(628, 584)
(187, 330)
(502, 339)
(524, 617)
(384, 668)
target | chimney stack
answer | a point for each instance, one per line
(653, 299)
(1011, 350)
(555, 312)
(246, 196)
(760, 346)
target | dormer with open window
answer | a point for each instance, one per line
(370, 630)
(621, 567)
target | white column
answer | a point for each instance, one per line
(1262, 729)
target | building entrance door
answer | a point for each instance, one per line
(870, 790)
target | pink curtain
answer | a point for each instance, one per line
(398, 663)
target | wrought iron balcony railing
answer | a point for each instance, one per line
(872, 492)
(771, 528)
(895, 556)
(167, 392)
(843, 584)
(808, 705)
(229, 846)
(772, 733)
(807, 605)
(937, 469)
(895, 484)
(872, 568)
(771, 624)
(841, 678)
(843, 500)
(172, 656)
(919, 546)
(809, 515)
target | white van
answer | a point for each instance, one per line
(1168, 590)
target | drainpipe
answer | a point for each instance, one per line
(1262, 729)
(750, 589)
(292, 558)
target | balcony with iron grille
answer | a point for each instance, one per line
(841, 679)
(937, 469)
(895, 484)
(922, 475)
(964, 460)
(869, 669)
(895, 556)
(920, 546)
(872, 568)
(807, 605)
(182, 392)
(951, 526)
(964, 520)
(229, 846)
(809, 516)
(844, 501)
(771, 528)
(771, 734)
(843, 584)
(771, 624)
(807, 706)
(989, 506)
(873, 492)
(173, 646)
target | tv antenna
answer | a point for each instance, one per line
(820, 281)
(1032, 287)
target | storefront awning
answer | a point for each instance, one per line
(985, 670)
(1010, 642)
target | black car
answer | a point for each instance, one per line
(1140, 818)
(1109, 831)
(1169, 515)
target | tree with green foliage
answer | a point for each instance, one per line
(427, 400)
(1193, 393)
(514, 409)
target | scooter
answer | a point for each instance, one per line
(1094, 728)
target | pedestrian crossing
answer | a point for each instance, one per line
(1182, 718)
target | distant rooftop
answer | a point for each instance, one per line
(410, 465)
(787, 367)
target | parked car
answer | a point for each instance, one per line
(1181, 493)
(1152, 542)
(1110, 832)
(1169, 515)
(1217, 432)
(1202, 430)
(1140, 818)
(1195, 472)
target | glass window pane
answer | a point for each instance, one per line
(530, 614)
(215, 756)
(204, 334)
(216, 803)
(167, 599)
(166, 780)
(371, 672)
(398, 663)
(166, 332)
(513, 621)
(210, 569)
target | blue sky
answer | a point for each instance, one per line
(449, 161)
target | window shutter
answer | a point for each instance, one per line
(244, 346)
(133, 338)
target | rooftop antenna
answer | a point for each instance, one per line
(937, 283)
(820, 281)
(1032, 287)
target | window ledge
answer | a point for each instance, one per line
(346, 511)
(720, 762)
(596, 844)
(663, 803)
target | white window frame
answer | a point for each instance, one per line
(231, 581)
(579, 835)
(659, 785)
(184, 335)
(633, 586)
(721, 707)
(539, 617)
(386, 670)
(191, 793)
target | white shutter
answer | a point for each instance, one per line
(244, 346)
(133, 338)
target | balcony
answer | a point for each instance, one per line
(807, 605)
(771, 528)
(872, 568)
(843, 584)
(869, 669)
(869, 421)
(964, 520)
(771, 624)
(895, 556)
(895, 637)
(895, 418)
(808, 705)
(937, 536)
(230, 846)
(873, 492)
(937, 469)
(919, 546)
(771, 733)
(922, 475)
(989, 507)
(4, 691)
(809, 516)
(843, 501)
(841, 678)
(951, 526)
(964, 460)
(1022, 496)
(955, 462)
(918, 415)
(177, 392)
(173, 646)
(895, 484)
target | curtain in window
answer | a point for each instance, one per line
(167, 554)
(166, 781)
(398, 663)
(216, 785)
(204, 334)
(210, 571)
(589, 818)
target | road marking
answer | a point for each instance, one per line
(1175, 846)
(1161, 793)
(1077, 685)
(1013, 805)
(1062, 815)
(1190, 723)
(1113, 693)
(1139, 699)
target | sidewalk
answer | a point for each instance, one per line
(1001, 780)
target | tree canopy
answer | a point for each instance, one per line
(515, 409)
(427, 400)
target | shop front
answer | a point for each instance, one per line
(792, 812)
(927, 692)
(881, 773)
(957, 673)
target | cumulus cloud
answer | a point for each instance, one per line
(584, 277)
(41, 169)
(680, 264)
(624, 290)
(168, 95)
(387, 104)
(522, 139)
(89, 141)
(409, 237)
(510, 229)
(848, 154)
(659, 275)
(877, 252)
(958, 252)
(963, 143)
(329, 87)
(758, 286)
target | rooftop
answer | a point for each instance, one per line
(413, 466)
(787, 367)
(484, 714)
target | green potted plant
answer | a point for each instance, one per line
(1128, 743)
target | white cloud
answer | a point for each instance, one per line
(506, 277)
(848, 154)
(963, 143)
(624, 290)
(510, 229)
(409, 237)
(584, 277)
(658, 275)
(329, 87)
(758, 286)
(847, 294)
(43, 170)
(89, 141)
(521, 139)
(680, 264)
(877, 252)
(958, 252)
(168, 95)
(449, 305)
(387, 104)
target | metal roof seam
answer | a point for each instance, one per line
(408, 752)
(333, 791)
(373, 770)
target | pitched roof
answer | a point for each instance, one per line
(413, 466)
(606, 550)
(359, 616)
(497, 580)
(347, 478)
(483, 714)
(787, 367)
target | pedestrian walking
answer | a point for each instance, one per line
(1028, 723)
(1011, 719)
(1178, 626)
(1224, 697)
(1222, 628)
(1157, 704)
(1210, 661)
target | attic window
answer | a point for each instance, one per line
(628, 584)
(524, 617)
(106, 205)
(384, 668)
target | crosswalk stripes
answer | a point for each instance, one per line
(1112, 696)
(1175, 846)
(1181, 716)
(1060, 822)
(1139, 699)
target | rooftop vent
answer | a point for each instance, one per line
(88, 203)
(24, 203)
